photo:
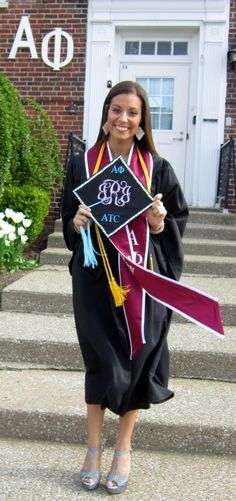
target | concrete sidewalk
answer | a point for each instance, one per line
(41, 471)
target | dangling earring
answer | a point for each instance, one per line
(105, 128)
(139, 133)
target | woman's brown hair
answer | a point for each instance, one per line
(129, 87)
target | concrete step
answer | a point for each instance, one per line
(210, 231)
(195, 216)
(47, 471)
(193, 230)
(48, 290)
(50, 342)
(221, 266)
(209, 263)
(211, 217)
(207, 247)
(55, 255)
(56, 239)
(49, 405)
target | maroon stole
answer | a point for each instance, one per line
(132, 243)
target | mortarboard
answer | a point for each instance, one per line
(115, 196)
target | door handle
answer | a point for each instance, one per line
(178, 138)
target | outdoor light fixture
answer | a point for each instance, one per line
(232, 58)
(72, 109)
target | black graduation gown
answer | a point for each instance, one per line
(112, 379)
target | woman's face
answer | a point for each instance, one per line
(124, 116)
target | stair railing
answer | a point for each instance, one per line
(227, 170)
(74, 146)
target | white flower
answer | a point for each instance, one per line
(7, 227)
(7, 243)
(11, 236)
(9, 213)
(10, 228)
(3, 225)
(21, 230)
(17, 217)
(2, 215)
(2, 233)
(24, 239)
(26, 222)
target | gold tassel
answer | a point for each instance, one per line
(119, 293)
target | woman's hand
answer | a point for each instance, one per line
(82, 216)
(156, 214)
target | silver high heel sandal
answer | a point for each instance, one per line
(95, 476)
(121, 481)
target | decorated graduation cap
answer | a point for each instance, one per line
(115, 196)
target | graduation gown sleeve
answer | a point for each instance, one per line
(75, 175)
(168, 244)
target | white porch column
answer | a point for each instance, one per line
(98, 73)
(211, 119)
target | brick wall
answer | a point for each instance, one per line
(56, 91)
(230, 131)
(59, 91)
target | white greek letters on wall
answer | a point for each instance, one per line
(24, 39)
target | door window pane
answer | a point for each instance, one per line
(148, 48)
(180, 48)
(160, 93)
(154, 86)
(155, 120)
(167, 104)
(143, 82)
(168, 86)
(164, 48)
(166, 122)
(132, 48)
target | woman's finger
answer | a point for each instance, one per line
(83, 210)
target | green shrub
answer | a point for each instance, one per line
(32, 201)
(46, 169)
(29, 150)
(16, 145)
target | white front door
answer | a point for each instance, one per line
(167, 87)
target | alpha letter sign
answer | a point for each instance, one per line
(24, 31)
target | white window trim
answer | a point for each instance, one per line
(4, 3)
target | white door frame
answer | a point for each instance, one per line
(192, 37)
(107, 22)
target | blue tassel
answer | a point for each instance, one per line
(89, 251)
(92, 251)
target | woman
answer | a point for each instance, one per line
(114, 379)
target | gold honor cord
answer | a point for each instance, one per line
(145, 171)
(119, 292)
